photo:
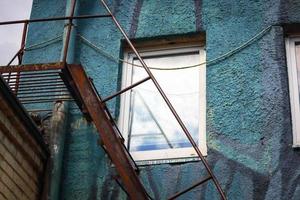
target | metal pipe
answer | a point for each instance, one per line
(188, 189)
(57, 133)
(185, 130)
(126, 89)
(68, 34)
(52, 19)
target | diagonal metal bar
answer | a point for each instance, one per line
(185, 130)
(116, 127)
(126, 89)
(16, 55)
(53, 19)
(120, 185)
(189, 188)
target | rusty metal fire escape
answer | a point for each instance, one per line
(39, 83)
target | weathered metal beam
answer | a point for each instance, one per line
(105, 129)
(69, 83)
(31, 67)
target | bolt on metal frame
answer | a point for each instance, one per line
(70, 18)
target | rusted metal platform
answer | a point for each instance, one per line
(42, 83)
(36, 83)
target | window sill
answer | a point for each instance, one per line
(167, 161)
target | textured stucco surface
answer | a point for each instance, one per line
(248, 115)
(44, 31)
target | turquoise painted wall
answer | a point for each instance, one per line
(248, 115)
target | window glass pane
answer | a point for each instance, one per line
(152, 126)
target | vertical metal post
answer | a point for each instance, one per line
(15, 56)
(58, 127)
(68, 33)
(58, 120)
(167, 102)
(20, 56)
(24, 34)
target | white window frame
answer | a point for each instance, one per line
(293, 87)
(165, 155)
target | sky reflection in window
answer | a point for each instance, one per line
(152, 126)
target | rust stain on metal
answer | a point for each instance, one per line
(111, 140)
(31, 67)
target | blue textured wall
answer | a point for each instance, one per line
(44, 31)
(248, 116)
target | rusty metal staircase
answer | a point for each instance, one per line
(82, 89)
(79, 87)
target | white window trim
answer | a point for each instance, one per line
(293, 87)
(173, 154)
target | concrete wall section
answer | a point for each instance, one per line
(44, 41)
